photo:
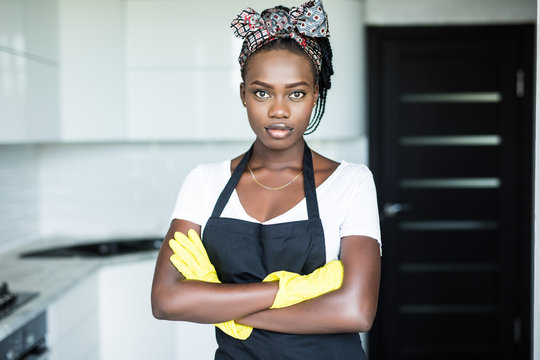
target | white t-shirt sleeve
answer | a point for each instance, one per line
(362, 217)
(190, 199)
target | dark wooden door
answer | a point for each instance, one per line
(451, 148)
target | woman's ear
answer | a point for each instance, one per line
(316, 91)
(243, 93)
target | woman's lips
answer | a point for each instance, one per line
(278, 131)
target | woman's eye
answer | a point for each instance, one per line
(298, 94)
(261, 94)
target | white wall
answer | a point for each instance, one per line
(103, 190)
(19, 195)
(417, 12)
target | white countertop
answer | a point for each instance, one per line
(50, 277)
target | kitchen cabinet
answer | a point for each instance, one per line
(181, 85)
(127, 329)
(183, 77)
(73, 323)
(90, 39)
(145, 70)
(29, 104)
(61, 71)
(107, 315)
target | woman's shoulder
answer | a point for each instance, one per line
(350, 174)
(330, 171)
(355, 168)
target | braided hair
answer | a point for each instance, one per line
(322, 78)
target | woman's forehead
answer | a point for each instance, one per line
(279, 66)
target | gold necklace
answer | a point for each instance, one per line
(273, 188)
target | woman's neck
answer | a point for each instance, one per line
(263, 156)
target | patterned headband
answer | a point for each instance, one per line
(300, 23)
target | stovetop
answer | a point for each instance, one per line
(10, 301)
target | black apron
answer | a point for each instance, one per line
(246, 252)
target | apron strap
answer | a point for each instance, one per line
(309, 184)
(231, 184)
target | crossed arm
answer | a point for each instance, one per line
(349, 309)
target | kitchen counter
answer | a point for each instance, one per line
(50, 277)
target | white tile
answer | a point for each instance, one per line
(106, 190)
(186, 105)
(19, 195)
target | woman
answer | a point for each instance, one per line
(275, 213)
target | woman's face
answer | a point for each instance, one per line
(279, 93)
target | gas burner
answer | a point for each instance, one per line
(6, 296)
(9, 301)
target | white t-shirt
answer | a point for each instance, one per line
(347, 202)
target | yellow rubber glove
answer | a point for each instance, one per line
(295, 288)
(190, 258)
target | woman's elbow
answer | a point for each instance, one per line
(159, 310)
(164, 307)
(364, 324)
(359, 319)
(359, 323)
(159, 307)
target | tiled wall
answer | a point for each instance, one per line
(19, 210)
(129, 189)
(103, 190)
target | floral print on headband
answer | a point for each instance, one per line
(300, 23)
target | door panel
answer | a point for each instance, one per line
(449, 118)
(483, 204)
(424, 292)
(450, 149)
(448, 162)
(438, 246)
(444, 71)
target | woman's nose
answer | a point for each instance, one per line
(279, 109)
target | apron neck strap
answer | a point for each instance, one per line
(231, 184)
(309, 184)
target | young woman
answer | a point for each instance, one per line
(275, 219)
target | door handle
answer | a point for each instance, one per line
(392, 209)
